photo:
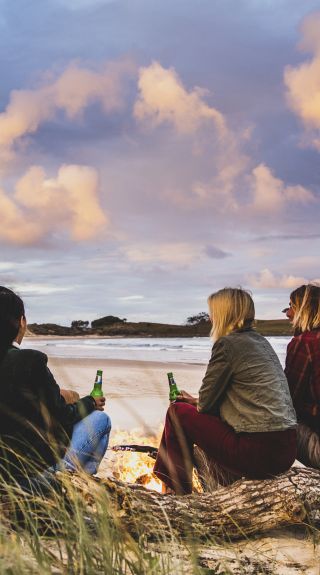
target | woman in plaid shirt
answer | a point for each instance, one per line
(303, 370)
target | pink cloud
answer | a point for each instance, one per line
(164, 99)
(266, 279)
(41, 206)
(72, 91)
(271, 193)
(303, 81)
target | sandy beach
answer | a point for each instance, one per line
(137, 399)
(136, 391)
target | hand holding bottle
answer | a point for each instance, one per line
(100, 403)
(186, 398)
(97, 392)
(173, 389)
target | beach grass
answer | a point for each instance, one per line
(65, 533)
(77, 527)
(60, 533)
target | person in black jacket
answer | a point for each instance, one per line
(39, 430)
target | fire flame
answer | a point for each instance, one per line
(135, 467)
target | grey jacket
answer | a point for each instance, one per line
(245, 385)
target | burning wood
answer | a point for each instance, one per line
(147, 449)
(132, 458)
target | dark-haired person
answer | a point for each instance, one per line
(244, 419)
(38, 428)
(303, 370)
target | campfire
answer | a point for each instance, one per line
(133, 466)
(132, 458)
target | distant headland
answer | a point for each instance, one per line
(112, 326)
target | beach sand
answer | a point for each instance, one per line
(137, 400)
(136, 392)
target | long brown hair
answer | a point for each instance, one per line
(305, 302)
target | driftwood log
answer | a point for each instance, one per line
(244, 508)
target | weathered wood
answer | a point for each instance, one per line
(241, 509)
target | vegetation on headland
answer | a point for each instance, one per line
(111, 326)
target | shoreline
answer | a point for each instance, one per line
(132, 363)
(96, 336)
(83, 336)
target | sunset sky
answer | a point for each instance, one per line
(154, 151)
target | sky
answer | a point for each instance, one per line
(155, 151)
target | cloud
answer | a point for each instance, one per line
(305, 261)
(42, 206)
(84, 4)
(132, 298)
(6, 266)
(268, 280)
(14, 225)
(164, 99)
(235, 186)
(286, 237)
(71, 92)
(239, 192)
(303, 81)
(215, 253)
(29, 289)
(179, 254)
(270, 193)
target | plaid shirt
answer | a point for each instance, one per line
(303, 374)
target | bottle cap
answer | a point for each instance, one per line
(99, 371)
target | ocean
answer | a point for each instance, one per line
(167, 350)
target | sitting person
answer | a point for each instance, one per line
(303, 370)
(39, 430)
(244, 420)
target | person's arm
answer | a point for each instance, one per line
(217, 377)
(51, 398)
(297, 369)
(70, 395)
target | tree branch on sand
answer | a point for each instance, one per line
(244, 508)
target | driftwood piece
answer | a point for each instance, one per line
(244, 508)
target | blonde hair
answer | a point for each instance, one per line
(230, 309)
(305, 301)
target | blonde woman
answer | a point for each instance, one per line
(244, 419)
(303, 370)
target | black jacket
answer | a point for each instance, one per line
(35, 421)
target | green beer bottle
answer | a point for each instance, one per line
(173, 389)
(97, 388)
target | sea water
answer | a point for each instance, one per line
(195, 350)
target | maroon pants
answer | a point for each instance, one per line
(252, 455)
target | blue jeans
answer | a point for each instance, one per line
(90, 438)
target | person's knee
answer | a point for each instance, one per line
(180, 411)
(101, 421)
(105, 421)
(180, 407)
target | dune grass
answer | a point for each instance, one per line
(62, 534)
(80, 531)
(70, 533)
